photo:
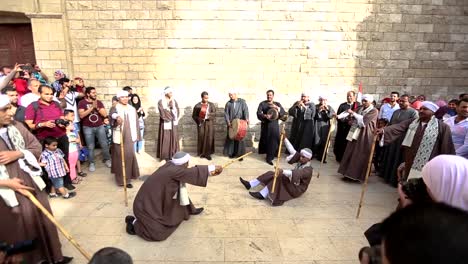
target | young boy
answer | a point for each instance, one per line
(56, 167)
(69, 115)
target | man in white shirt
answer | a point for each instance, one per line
(386, 111)
(459, 126)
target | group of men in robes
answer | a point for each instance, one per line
(22, 222)
(269, 129)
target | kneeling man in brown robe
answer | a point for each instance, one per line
(290, 184)
(162, 202)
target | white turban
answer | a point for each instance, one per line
(122, 93)
(167, 90)
(304, 93)
(232, 91)
(180, 158)
(323, 97)
(430, 105)
(4, 100)
(368, 98)
(306, 152)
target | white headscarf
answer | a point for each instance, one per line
(122, 93)
(167, 90)
(430, 105)
(368, 98)
(446, 176)
(4, 100)
(306, 152)
(180, 158)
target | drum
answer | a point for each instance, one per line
(238, 129)
(273, 113)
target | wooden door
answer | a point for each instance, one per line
(16, 44)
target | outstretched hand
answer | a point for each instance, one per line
(217, 171)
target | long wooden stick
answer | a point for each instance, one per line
(327, 144)
(236, 159)
(54, 221)
(369, 165)
(124, 173)
(278, 159)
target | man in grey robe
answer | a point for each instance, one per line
(344, 124)
(323, 115)
(168, 137)
(392, 155)
(235, 108)
(163, 203)
(302, 129)
(290, 184)
(424, 138)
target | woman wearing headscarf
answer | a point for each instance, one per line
(136, 102)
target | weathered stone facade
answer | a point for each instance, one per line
(322, 46)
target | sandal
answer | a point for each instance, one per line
(82, 174)
(76, 181)
(53, 195)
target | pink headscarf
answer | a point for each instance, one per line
(446, 176)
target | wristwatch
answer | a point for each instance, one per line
(38, 125)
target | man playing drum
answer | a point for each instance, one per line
(268, 113)
(235, 111)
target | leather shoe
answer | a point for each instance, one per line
(269, 162)
(257, 195)
(65, 260)
(197, 211)
(129, 219)
(129, 185)
(241, 159)
(208, 157)
(70, 187)
(245, 183)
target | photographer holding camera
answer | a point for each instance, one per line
(70, 95)
(45, 118)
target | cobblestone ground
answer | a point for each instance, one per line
(319, 227)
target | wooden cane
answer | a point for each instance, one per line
(278, 159)
(124, 174)
(236, 159)
(54, 221)
(369, 165)
(327, 144)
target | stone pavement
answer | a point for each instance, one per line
(319, 227)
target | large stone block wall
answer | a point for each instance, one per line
(321, 46)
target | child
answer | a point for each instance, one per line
(74, 146)
(56, 167)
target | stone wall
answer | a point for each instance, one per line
(321, 46)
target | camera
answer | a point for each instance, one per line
(62, 122)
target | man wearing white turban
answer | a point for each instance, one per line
(290, 184)
(168, 137)
(21, 220)
(360, 139)
(163, 202)
(124, 122)
(425, 138)
(236, 108)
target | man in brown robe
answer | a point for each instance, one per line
(21, 220)
(360, 138)
(168, 138)
(424, 138)
(204, 115)
(124, 122)
(162, 202)
(290, 184)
